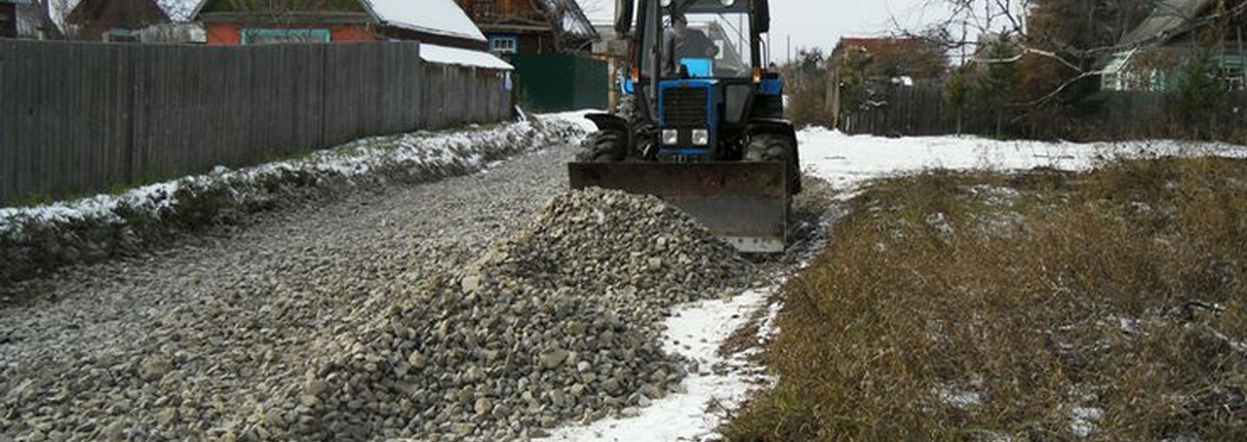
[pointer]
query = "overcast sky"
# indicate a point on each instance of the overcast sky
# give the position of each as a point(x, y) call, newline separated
point(821, 23)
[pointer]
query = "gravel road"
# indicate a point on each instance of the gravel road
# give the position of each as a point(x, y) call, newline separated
point(473, 308)
point(234, 308)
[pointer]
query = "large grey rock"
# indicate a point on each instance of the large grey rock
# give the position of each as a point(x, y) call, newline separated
point(154, 367)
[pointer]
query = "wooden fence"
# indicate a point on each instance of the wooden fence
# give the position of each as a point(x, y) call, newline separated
point(920, 110)
point(80, 117)
point(900, 111)
point(1153, 114)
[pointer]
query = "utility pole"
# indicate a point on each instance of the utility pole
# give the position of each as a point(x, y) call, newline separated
point(965, 33)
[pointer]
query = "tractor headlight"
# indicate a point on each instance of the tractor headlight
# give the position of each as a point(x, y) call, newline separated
point(701, 137)
point(670, 137)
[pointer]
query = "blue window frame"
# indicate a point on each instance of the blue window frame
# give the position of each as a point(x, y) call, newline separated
point(251, 36)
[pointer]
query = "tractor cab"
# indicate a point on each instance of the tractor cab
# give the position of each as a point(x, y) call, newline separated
point(704, 60)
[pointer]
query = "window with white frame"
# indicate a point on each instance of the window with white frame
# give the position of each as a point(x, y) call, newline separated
point(504, 44)
point(1233, 78)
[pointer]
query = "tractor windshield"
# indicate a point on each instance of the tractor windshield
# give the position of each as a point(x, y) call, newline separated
point(702, 45)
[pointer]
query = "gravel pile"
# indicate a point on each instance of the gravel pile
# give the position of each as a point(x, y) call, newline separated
point(372, 333)
point(560, 322)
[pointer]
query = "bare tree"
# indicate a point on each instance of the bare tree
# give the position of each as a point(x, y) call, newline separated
point(594, 8)
point(1095, 29)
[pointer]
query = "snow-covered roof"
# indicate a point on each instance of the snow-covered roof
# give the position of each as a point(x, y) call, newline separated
point(179, 11)
point(440, 17)
point(462, 57)
point(1168, 20)
point(572, 19)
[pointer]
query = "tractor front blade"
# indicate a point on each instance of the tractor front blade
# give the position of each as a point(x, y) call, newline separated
point(745, 204)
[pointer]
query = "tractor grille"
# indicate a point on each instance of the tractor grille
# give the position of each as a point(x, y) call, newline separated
point(684, 107)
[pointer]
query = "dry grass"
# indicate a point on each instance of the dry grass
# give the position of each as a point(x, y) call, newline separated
point(1044, 306)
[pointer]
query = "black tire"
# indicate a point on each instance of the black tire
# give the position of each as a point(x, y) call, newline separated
point(612, 146)
point(604, 147)
point(767, 147)
point(776, 148)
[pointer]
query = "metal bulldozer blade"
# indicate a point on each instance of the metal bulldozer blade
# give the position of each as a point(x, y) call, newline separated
point(745, 204)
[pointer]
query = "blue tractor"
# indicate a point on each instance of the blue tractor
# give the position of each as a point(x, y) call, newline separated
point(701, 122)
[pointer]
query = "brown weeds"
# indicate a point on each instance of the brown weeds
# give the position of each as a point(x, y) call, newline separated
point(1037, 306)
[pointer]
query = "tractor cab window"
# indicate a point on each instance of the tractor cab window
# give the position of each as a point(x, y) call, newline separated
point(705, 45)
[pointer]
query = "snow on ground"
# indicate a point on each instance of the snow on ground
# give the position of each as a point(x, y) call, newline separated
point(419, 149)
point(695, 331)
point(848, 161)
point(577, 118)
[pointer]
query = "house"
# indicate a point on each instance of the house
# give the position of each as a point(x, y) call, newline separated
point(133, 20)
point(8, 19)
point(26, 19)
point(1151, 56)
point(437, 22)
point(532, 26)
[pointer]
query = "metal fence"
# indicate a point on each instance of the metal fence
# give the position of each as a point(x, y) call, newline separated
point(80, 117)
point(557, 82)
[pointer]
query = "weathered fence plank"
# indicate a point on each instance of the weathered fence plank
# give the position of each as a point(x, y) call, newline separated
point(80, 117)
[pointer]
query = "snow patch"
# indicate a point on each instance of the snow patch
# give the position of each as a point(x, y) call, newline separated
point(577, 117)
point(961, 399)
point(848, 161)
point(696, 331)
point(1085, 420)
point(768, 328)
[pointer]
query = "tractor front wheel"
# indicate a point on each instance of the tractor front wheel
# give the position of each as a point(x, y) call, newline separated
point(767, 147)
point(777, 148)
point(605, 147)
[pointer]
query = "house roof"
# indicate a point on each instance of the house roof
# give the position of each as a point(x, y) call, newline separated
point(178, 11)
point(439, 17)
point(1169, 19)
point(436, 17)
point(877, 44)
point(462, 57)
